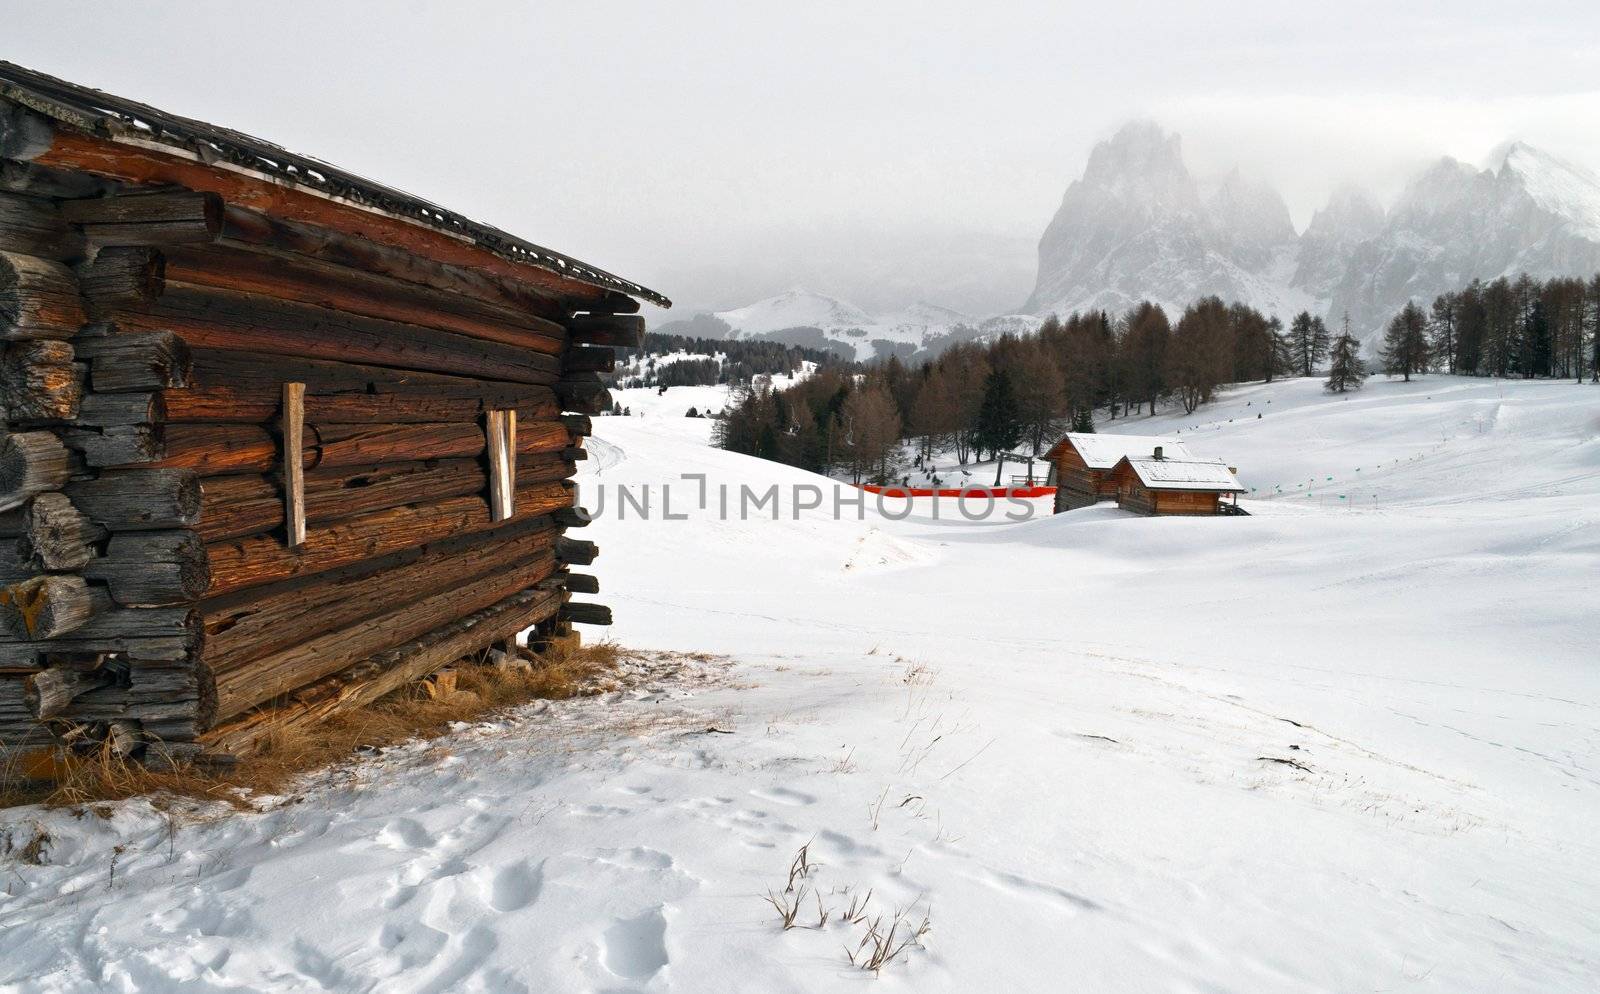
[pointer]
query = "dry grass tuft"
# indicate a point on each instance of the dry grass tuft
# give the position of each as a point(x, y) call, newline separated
point(471, 692)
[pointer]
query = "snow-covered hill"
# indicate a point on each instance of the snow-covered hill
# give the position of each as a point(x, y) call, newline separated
point(1137, 226)
point(1349, 743)
point(815, 320)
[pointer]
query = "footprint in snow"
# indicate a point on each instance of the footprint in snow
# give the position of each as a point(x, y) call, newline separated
point(636, 948)
point(783, 795)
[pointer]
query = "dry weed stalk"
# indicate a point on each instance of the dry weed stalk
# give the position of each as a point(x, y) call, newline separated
point(877, 948)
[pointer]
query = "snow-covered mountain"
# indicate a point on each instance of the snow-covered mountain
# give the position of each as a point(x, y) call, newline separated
point(817, 320)
point(1528, 212)
point(1138, 225)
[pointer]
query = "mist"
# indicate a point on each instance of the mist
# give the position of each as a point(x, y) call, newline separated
point(882, 153)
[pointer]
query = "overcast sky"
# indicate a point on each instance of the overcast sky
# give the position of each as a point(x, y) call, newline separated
point(883, 152)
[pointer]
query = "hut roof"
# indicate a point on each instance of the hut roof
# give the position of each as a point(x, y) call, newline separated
point(1184, 474)
point(133, 123)
point(1105, 451)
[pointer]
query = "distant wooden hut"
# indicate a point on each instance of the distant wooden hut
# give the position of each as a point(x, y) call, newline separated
point(278, 439)
point(1081, 464)
point(1157, 484)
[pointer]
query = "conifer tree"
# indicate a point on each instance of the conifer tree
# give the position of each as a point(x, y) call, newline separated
point(1346, 369)
point(1308, 342)
point(1405, 343)
point(999, 426)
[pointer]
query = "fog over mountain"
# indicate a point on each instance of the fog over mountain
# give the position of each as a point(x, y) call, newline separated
point(1138, 224)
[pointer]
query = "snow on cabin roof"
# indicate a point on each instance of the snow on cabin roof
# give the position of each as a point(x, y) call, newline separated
point(1185, 474)
point(131, 122)
point(1105, 451)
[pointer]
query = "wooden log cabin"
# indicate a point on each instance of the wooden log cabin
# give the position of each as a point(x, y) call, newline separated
point(1154, 483)
point(278, 439)
point(1081, 464)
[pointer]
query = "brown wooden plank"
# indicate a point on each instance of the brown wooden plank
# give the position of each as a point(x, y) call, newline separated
point(293, 467)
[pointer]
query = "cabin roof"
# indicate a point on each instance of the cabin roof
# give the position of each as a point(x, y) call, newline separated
point(1105, 451)
point(1184, 474)
point(133, 123)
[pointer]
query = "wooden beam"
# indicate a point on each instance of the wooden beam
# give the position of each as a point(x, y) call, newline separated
point(75, 150)
point(179, 218)
point(48, 607)
point(230, 319)
point(31, 463)
point(290, 277)
point(624, 331)
point(38, 298)
point(294, 470)
point(585, 614)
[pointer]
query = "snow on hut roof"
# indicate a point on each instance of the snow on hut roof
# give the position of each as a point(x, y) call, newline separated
point(1105, 451)
point(126, 120)
point(1185, 474)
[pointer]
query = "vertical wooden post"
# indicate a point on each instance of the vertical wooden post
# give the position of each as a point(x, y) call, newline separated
point(501, 431)
point(294, 473)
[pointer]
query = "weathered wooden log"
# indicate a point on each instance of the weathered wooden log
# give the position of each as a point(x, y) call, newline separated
point(249, 624)
point(209, 450)
point(583, 393)
point(50, 692)
point(586, 359)
point(153, 568)
point(104, 410)
point(225, 319)
point(256, 405)
point(578, 425)
point(384, 673)
point(247, 369)
point(31, 463)
point(308, 281)
point(24, 134)
point(139, 499)
point(278, 673)
point(575, 551)
point(48, 607)
point(585, 614)
point(130, 624)
point(215, 450)
point(252, 229)
point(56, 535)
point(33, 655)
point(132, 276)
point(39, 381)
point(38, 299)
point(610, 330)
point(179, 218)
point(582, 583)
point(45, 607)
point(122, 362)
point(32, 226)
point(573, 517)
point(256, 560)
point(240, 506)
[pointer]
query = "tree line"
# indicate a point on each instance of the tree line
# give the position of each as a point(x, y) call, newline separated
point(1015, 393)
point(981, 399)
point(1523, 327)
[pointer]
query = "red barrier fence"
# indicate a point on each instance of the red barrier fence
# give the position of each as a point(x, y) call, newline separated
point(996, 492)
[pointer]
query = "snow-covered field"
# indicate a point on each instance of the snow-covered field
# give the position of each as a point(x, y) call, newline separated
point(1335, 746)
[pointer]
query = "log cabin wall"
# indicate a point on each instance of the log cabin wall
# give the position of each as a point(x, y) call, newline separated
point(268, 452)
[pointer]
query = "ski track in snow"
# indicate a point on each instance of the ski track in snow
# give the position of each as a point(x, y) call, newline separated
point(1324, 748)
